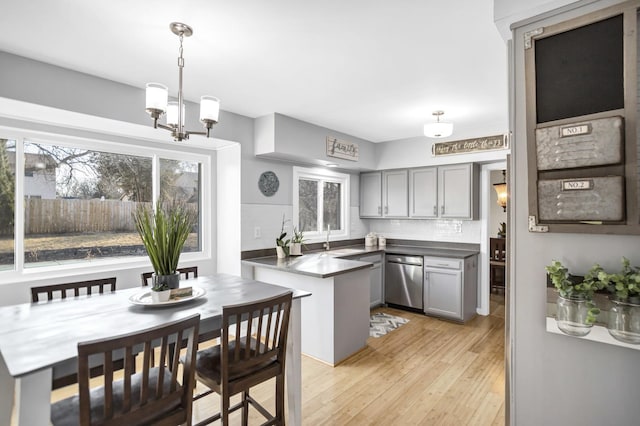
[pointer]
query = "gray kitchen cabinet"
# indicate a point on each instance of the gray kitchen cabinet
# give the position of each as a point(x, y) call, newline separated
point(375, 277)
point(371, 194)
point(423, 193)
point(451, 287)
point(395, 192)
point(446, 192)
point(458, 191)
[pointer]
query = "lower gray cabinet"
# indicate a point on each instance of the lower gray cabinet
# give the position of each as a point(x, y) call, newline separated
point(450, 287)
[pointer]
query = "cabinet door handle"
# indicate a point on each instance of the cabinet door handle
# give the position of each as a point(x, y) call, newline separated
point(442, 209)
point(386, 209)
point(435, 210)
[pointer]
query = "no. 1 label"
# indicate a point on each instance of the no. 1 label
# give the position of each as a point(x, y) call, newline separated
point(581, 129)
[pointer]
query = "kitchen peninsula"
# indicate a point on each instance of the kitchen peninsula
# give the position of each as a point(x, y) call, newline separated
point(335, 319)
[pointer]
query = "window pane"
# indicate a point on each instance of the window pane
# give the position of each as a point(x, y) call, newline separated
point(180, 183)
point(79, 203)
point(7, 202)
point(308, 205)
point(332, 205)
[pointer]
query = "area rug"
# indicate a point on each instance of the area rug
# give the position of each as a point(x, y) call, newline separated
point(381, 324)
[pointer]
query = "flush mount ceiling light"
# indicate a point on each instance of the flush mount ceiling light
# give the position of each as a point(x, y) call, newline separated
point(501, 191)
point(439, 129)
point(158, 95)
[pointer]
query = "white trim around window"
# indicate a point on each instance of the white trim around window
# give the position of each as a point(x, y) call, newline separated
point(322, 175)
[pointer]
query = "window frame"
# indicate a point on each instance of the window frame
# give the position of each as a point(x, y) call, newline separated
point(111, 144)
point(323, 175)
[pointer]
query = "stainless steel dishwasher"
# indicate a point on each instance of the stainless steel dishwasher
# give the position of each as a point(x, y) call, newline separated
point(403, 281)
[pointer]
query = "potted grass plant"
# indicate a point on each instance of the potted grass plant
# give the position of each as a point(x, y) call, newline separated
point(164, 231)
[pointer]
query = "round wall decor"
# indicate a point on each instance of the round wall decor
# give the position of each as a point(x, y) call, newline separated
point(268, 183)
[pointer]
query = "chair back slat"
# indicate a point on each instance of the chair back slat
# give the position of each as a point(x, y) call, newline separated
point(147, 396)
point(78, 288)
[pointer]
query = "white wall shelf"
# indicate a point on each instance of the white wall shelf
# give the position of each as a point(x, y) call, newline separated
point(598, 334)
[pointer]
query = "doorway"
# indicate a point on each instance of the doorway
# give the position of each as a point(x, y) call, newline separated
point(491, 215)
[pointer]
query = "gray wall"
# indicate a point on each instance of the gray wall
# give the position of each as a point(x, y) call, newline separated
point(560, 380)
point(265, 213)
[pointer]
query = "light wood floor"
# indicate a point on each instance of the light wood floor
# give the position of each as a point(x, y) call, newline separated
point(427, 372)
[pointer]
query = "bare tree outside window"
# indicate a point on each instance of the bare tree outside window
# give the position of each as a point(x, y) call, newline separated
point(332, 206)
point(79, 202)
point(308, 205)
point(180, 183)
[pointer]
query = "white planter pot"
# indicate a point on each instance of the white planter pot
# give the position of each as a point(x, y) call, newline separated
point(280, 252)
point(295, 249)
point(160, 296)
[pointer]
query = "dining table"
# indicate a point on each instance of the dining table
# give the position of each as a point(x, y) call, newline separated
point(39, 338)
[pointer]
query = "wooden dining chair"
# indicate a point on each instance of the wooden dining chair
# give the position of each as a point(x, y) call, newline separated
point(240, 361)
point(60, 291)
point(185, 274)
point(157, 394)
point(66, 376)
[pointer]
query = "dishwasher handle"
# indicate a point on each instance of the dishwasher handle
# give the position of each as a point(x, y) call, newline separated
point(405, 260)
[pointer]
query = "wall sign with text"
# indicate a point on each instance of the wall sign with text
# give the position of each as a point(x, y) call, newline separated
point(466, 146)
point(342, 149)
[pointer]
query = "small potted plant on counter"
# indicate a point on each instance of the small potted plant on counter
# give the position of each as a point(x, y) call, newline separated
point(282, 245)
point(624, 315)
point(296, 242)
point(576, 313)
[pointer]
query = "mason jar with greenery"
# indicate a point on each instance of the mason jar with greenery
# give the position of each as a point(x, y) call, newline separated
point(164, 232)
point(576, 313)
point(624, 316)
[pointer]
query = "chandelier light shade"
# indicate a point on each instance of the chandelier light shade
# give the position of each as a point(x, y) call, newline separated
point(501, 191)
point(439, 129)
point(157, 99)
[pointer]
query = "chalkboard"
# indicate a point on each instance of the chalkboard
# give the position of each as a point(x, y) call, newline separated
point(580, 72)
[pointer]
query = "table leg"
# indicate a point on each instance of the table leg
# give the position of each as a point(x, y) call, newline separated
point(33, 398)
point(294, 365)
point(7, 385)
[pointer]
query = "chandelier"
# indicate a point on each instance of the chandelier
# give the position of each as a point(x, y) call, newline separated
point(439, 129)
point(157, 96)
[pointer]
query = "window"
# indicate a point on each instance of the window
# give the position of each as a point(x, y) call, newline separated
point(76, 203)
point(7, 204)
point(320, 202)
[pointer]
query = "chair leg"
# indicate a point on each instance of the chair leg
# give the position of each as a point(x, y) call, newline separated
point(245, 408)
point(224, 410)
point(280, 399)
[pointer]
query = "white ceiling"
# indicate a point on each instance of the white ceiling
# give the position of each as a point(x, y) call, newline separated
point(374, 69)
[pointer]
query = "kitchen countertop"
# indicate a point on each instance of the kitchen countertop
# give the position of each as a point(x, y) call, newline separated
point(325, 264)
point(318, 264)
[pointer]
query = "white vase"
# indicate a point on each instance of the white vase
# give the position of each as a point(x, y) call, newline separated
point(280, 252)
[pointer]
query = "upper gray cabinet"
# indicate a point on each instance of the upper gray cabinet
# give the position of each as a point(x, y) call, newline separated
point(458, 191)
point(395, 189)
point(423, 192)
point(448, 192)
point(371, 194)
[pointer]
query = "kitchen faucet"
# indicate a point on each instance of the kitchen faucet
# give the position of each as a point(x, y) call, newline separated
point(326, 245)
